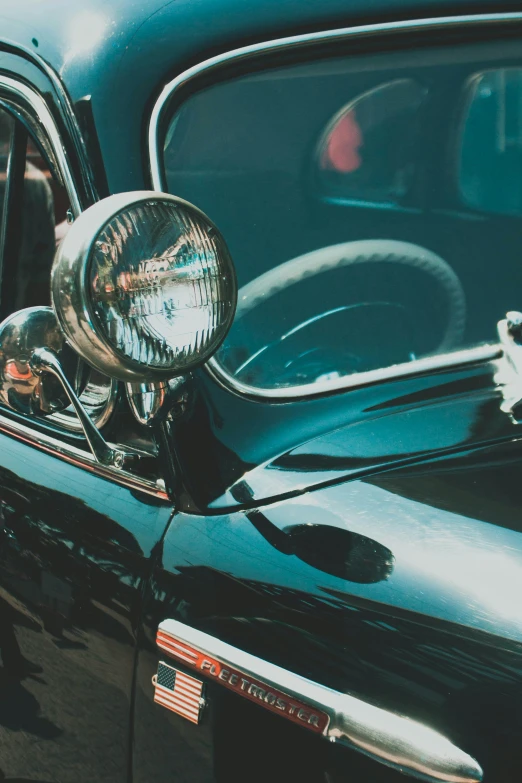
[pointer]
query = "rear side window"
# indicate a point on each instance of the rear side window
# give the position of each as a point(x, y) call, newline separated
point(357, 196)
point(490, 173)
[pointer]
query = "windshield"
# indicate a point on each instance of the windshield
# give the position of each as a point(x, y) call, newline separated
point(358, 197)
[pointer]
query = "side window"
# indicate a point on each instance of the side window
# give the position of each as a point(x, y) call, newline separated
point(347, 190)
point(6, 131)
point(6, 139)
point(490, 175)
point(35, 210)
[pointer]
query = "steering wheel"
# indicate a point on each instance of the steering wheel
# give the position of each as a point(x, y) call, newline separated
point(348, 254)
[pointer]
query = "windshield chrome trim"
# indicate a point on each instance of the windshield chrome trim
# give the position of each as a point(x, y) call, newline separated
point(446, 361)
point(279, 44)
point(416, 367)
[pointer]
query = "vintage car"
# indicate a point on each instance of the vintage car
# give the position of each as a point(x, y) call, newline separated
point(260, 391)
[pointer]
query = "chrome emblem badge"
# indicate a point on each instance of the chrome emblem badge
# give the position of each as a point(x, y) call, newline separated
point(245, 685)
point(178, 692)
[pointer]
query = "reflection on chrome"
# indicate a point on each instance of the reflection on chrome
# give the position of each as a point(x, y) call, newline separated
point(98, 398)
point(144, 286)
point(43, 362)
point(394, 740)
point(509, 374)
point(21, 389)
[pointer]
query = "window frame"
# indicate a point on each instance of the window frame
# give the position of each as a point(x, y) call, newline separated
point(29, 108)
point(32, 117)
point(214, 69)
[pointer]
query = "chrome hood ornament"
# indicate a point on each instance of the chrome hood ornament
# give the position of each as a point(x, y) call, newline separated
point(509, 375)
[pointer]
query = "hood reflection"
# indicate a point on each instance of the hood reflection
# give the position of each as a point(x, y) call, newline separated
point(330, 549)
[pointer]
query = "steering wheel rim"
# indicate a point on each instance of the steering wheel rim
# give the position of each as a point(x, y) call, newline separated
point(361, 252)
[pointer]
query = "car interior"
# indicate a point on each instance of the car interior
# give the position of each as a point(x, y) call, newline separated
point(419, 154)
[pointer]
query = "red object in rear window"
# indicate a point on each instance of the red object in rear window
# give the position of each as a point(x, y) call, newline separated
point(342, 148)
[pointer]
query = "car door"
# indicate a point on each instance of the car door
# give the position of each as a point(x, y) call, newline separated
point(349, 518)
point(76, 539)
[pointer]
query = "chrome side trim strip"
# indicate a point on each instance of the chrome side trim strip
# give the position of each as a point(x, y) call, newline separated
point(446, 361)
point(172, 88)
point(78, 457)
point(394, 740)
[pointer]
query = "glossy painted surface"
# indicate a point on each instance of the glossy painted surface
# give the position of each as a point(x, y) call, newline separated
point(435, 636)
point(400, 586)
point(253, 452)
point(75, 551)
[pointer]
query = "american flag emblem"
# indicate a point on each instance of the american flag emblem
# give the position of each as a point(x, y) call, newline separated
point(178, 692)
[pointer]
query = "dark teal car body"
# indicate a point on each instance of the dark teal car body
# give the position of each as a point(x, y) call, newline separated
point(366, 537)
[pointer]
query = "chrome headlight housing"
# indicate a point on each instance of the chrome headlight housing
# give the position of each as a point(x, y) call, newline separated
point(144, 287)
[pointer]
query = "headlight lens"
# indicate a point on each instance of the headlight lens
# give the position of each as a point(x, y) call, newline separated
point(159, 286)
point(152, 294)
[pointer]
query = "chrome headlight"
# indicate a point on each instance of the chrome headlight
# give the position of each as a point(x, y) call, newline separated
point(143, 286)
